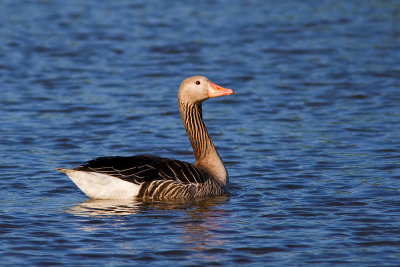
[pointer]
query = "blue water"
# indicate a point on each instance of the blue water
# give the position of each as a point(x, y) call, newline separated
point(311, 138)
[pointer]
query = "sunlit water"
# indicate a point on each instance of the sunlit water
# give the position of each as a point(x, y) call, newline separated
point(311, 138)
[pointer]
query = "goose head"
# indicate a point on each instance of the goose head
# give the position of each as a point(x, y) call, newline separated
point(196, 89)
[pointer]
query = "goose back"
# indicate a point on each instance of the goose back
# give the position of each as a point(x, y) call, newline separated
point(158, 178)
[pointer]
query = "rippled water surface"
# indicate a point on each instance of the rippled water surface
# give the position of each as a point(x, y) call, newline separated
point(311, 138)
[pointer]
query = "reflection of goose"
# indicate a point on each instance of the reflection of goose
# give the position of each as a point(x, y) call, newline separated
point(152, 177)
point(105, 207)
point(121, 207)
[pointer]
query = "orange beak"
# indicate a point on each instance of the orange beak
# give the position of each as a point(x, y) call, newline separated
point(216, 90)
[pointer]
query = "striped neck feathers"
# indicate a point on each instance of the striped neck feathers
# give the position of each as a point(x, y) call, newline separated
point(205, 154)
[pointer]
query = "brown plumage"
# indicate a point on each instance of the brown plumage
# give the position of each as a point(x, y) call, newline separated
point(151, 177)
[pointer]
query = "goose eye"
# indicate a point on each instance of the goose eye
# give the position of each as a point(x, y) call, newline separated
point(198, 82)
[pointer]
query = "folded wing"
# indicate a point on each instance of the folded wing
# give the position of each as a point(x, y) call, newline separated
point(146, 169)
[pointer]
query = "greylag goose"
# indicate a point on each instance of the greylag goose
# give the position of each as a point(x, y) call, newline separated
point(156, 178)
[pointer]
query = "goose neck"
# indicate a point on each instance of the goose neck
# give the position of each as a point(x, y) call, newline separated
point(205, 154)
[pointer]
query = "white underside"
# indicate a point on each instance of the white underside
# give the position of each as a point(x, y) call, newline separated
point(102, 186)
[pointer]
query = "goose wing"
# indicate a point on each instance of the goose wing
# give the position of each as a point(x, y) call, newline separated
point(141, 169)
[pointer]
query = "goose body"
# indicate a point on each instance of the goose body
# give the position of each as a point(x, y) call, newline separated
point(157, 178)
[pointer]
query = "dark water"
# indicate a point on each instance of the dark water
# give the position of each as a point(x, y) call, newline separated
point(311, 139)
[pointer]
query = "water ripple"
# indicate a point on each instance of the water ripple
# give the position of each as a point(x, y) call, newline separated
point(310, 138)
